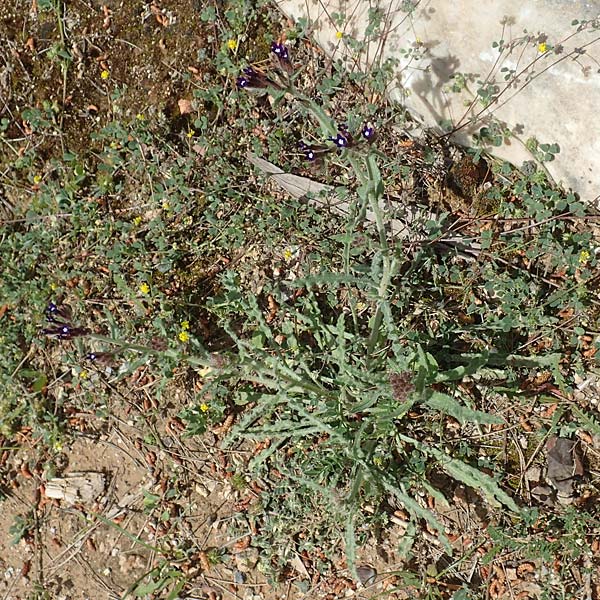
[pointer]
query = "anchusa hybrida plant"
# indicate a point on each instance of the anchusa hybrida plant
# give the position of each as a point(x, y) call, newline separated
point(281, 80)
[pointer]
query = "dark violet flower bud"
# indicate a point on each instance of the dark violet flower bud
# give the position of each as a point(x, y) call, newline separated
point(280, 51)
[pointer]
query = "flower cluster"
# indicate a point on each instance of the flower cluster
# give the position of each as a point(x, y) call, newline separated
point(344, 139)
point(280, 51)
point(253, 78)
point(60, 318)
point(184, 335)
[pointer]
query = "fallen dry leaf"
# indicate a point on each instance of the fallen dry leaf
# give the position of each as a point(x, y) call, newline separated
point(564, 464)
point(185, 106)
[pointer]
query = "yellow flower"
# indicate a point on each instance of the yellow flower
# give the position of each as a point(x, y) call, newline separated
point(137, 220)
point(542, 47)
point(339, 35)
point(232, 44)
point(191, 133)
point(184, 336)
point(204, 407)
point(37, 179)
point(105, 74)
point(83, 375)
point(144, 288)
point(166, 205)
point(185, 325)
point(584, 256)
point(287, 254)
point(140, 117)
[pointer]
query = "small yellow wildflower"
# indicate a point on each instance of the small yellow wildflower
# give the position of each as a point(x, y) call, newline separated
point(184, 336)
point(137, 220)
point(584, 256)
point(185, 325)
point(140, 117)
point(166, 205)
point(105, 74)
point(144, 288)
point(232, 44)
point(37, 179)
point(339, 35)
point(204, 407)
point(83, 375)
point(288, 254)
point(191, 133)
point(542, 47)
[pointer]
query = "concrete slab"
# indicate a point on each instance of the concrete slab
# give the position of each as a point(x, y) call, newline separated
point(523, 65)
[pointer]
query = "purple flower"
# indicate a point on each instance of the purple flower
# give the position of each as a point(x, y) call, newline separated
point(254, 79)
point(56, 314)
point(242, 82)
point(64, 331)
point(368, 132)
point(280, 51)
point(102, 358)
point(311, 153)
point(342, 140)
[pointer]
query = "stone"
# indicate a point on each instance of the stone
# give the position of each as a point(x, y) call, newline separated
point(527, 58)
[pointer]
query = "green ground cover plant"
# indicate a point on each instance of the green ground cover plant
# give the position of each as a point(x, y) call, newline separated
point(367, 351)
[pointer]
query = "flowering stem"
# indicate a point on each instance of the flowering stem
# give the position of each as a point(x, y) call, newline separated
point(374, 194)
point(124, 345)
